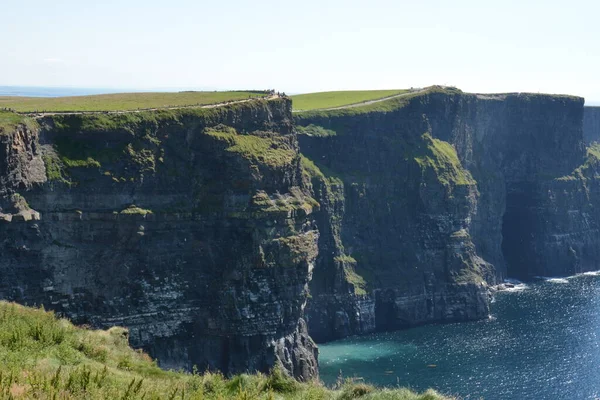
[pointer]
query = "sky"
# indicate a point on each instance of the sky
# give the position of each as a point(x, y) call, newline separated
point(303, 46)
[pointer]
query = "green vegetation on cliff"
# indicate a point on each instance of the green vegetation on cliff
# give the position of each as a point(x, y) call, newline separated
point(349, 266)
point(314, 130)
point(332, 188)
point(123, 101)
point(590, 169)
point(442, 158)
point(315, 101)
point(273, 151)
point(135, 142)
point(44, 357)
point(309, 168)
point(9, 121)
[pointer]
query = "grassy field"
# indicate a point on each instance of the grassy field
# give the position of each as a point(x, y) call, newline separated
point(122, 101)
point(311, 116)
point(317, 101)
point(43, 357)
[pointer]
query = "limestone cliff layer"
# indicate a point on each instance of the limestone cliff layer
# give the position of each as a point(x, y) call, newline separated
point(429, 198)
point(591, 124)
point(190, 227)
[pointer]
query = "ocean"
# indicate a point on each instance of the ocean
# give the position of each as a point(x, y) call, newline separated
point(542, 341)
point(30, 91)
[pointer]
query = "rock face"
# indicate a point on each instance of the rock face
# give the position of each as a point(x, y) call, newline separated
point(591, 124)
point(193, 228)
point(429, 198)
point(200, 229)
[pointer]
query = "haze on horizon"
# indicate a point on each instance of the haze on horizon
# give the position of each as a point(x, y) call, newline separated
point(541, 46)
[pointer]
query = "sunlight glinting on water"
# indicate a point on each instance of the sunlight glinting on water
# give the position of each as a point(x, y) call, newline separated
point(542, 342)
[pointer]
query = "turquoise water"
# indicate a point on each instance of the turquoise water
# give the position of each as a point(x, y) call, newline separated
point(542, 342)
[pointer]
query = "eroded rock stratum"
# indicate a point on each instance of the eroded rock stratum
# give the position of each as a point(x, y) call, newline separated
point(190, 227)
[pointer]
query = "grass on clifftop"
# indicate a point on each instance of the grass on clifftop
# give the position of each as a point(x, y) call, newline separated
point(386, 105)
point(122, 101)
point(43, 357)
point(316, 101)
point(10, 120)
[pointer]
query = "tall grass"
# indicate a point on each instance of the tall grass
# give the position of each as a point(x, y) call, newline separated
point(44, 357)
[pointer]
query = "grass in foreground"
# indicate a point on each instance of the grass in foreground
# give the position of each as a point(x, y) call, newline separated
point(43, 357)
point(317, 101)
point(122, 101)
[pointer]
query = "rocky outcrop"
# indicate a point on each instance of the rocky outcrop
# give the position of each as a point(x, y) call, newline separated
point(192, 228)
point(439, 194)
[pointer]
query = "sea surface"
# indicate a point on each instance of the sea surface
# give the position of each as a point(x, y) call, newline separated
point(542, 342)
point(31, 91)
point(40, 91)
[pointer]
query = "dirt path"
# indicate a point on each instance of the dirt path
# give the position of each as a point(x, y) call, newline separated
point(45, 114)
point(365, 103)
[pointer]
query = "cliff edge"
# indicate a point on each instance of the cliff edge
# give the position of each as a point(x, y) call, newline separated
point(430, 198)
point(190, 227)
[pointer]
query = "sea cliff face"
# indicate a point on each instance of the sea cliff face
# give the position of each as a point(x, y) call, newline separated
point(435, 197)
point(591, 124)
point(200, 229)
point(190, 227)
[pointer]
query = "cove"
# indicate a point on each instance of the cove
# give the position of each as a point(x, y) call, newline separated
point(540, 342)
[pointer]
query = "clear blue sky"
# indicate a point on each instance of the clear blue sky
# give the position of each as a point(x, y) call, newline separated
point(301, 46)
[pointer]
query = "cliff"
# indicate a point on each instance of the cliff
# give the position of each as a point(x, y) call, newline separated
point(591, 124)
point(200, 229)
point(191, 227)
point(429, 198)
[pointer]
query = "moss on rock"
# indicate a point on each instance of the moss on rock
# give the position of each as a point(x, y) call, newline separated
point(441, 157)
point(273, 151)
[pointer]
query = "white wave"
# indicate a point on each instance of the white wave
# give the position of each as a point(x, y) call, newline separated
point(554, 280)
point(512, 285)
point(590, 273)
point(516, 288)
point(564, 279)
point(558, 280)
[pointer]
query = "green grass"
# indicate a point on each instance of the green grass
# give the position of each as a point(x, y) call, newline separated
point(358, 281)
point(9, 121)
point(346, 259)
point(315, 131)
point(314, 116)
point(317, 101)
point(122, 101)
point(442, 158)
point(272, 151)
point(589, 168)
point(44, 357)
point(310, 168)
